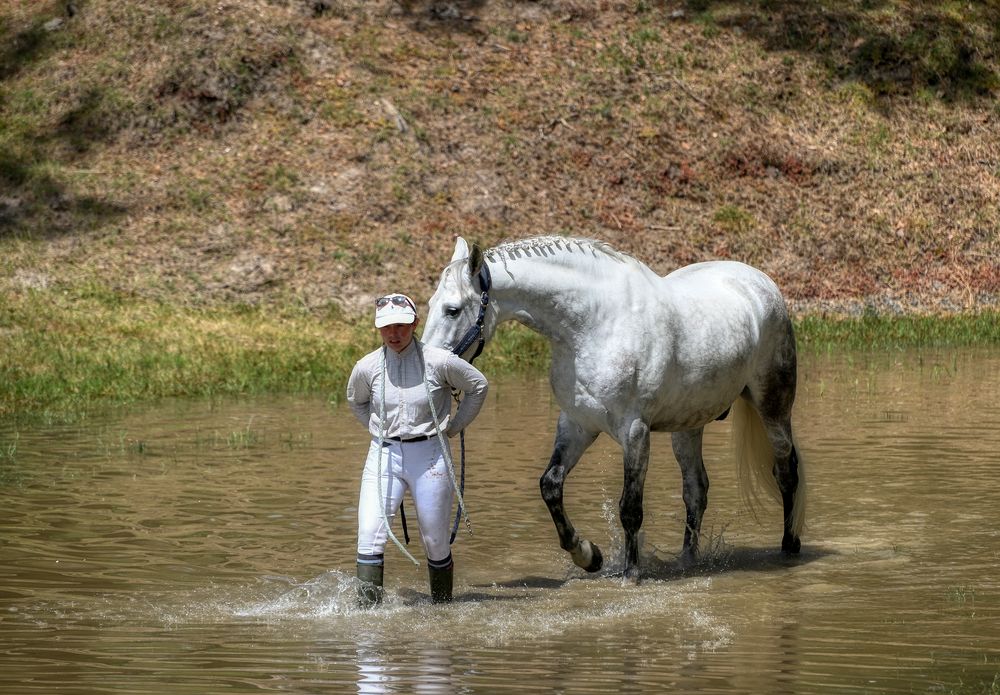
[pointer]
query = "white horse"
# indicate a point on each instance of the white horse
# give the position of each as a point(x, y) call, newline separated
point(633, 353)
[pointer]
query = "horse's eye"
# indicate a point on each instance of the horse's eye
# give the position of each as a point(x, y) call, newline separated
point(452, 311)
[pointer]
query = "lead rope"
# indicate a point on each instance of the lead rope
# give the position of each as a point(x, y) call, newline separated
point(474, 333)
point(458, 512)
point(446, 450)
point(378, 479)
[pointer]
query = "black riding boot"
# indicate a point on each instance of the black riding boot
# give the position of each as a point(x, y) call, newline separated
point(442, 575)
point(370, 585)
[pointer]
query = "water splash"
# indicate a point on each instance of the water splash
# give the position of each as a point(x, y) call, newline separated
point(332, 593)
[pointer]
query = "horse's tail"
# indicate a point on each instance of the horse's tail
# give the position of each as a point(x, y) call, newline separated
point(755, 464)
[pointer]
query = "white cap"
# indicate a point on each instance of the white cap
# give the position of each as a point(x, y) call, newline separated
point(395, 308)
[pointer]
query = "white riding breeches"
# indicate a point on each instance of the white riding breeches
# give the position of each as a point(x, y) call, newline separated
point(419, 467)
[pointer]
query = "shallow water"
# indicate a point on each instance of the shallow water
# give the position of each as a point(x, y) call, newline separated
point(209, 548)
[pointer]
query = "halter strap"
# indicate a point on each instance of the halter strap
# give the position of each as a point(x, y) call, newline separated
point(475, 331)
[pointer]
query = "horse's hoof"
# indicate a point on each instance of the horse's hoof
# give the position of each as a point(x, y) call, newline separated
point(790, 545)
point(598, 559)
point(631, 577)
point(587, 556)
point(688, 559)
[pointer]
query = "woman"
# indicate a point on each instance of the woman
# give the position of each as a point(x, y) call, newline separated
point(390, 392)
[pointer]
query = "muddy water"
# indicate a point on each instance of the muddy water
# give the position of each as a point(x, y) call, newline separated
point(208, 548)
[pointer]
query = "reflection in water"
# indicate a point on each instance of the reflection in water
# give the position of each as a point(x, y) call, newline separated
point(429, 671)
point(373, 671)
point(208, 548)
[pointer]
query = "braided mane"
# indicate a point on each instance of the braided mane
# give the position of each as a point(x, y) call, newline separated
point(551, 245)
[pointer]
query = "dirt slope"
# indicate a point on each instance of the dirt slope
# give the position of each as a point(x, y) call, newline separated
point(323, 152)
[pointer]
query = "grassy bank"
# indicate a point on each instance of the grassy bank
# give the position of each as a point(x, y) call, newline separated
point(881, 332)
point(63, 354)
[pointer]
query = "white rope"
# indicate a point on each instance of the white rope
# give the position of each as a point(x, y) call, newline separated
point(445, 449)
point(378, 479)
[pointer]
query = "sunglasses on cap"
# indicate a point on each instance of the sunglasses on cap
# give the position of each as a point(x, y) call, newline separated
point(397, 299)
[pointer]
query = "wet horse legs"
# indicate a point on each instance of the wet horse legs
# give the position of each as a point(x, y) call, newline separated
point(636, 449)
point(787, 474)
point(775, 408)
point(571, 442)
point(687, 451)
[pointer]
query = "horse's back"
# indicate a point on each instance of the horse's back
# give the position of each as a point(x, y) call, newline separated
point(726, 291)
point(728, 327)
point(720, 274)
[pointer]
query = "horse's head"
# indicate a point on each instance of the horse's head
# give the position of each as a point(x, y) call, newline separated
point(460, 317)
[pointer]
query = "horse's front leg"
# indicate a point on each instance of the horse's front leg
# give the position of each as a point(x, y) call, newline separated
point(571, 441)
point(636, 448)
point(687, 451)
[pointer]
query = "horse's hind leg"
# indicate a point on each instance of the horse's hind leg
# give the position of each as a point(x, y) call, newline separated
point(636, 448)
point(775, 407)
point(791, 484)
point(687, 451)
point(571, 442)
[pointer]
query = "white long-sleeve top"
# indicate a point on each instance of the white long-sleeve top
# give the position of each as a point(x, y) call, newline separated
point(407, 411)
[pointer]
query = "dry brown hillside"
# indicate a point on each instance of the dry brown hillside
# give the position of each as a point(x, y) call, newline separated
point(323, 151)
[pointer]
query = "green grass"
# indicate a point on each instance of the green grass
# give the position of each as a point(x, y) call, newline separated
point(976, 686)
point(878, 332)
point(10, 473)
point(67, 352)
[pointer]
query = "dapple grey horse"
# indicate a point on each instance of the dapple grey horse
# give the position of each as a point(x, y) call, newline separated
point(633, 353)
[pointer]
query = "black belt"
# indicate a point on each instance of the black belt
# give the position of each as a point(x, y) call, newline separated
point(398, 440)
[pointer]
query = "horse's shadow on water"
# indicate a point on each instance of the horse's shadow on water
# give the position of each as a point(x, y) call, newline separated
point(660, 569)
point(731, 560)
point(654, 569)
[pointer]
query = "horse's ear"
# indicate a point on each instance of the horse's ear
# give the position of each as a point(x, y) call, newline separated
point(461, 250)
point(475, 260)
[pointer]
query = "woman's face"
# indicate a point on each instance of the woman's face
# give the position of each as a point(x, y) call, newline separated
point(398, 335)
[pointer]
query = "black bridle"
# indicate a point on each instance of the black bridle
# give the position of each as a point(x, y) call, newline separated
point(475, 331)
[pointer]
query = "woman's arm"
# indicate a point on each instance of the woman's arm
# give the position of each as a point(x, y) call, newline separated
point(463, 377)
point(359, 392)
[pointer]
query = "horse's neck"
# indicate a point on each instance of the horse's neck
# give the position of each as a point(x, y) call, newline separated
point(549, 298)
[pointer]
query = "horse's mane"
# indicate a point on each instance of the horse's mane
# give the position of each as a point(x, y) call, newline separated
point(552, 245)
